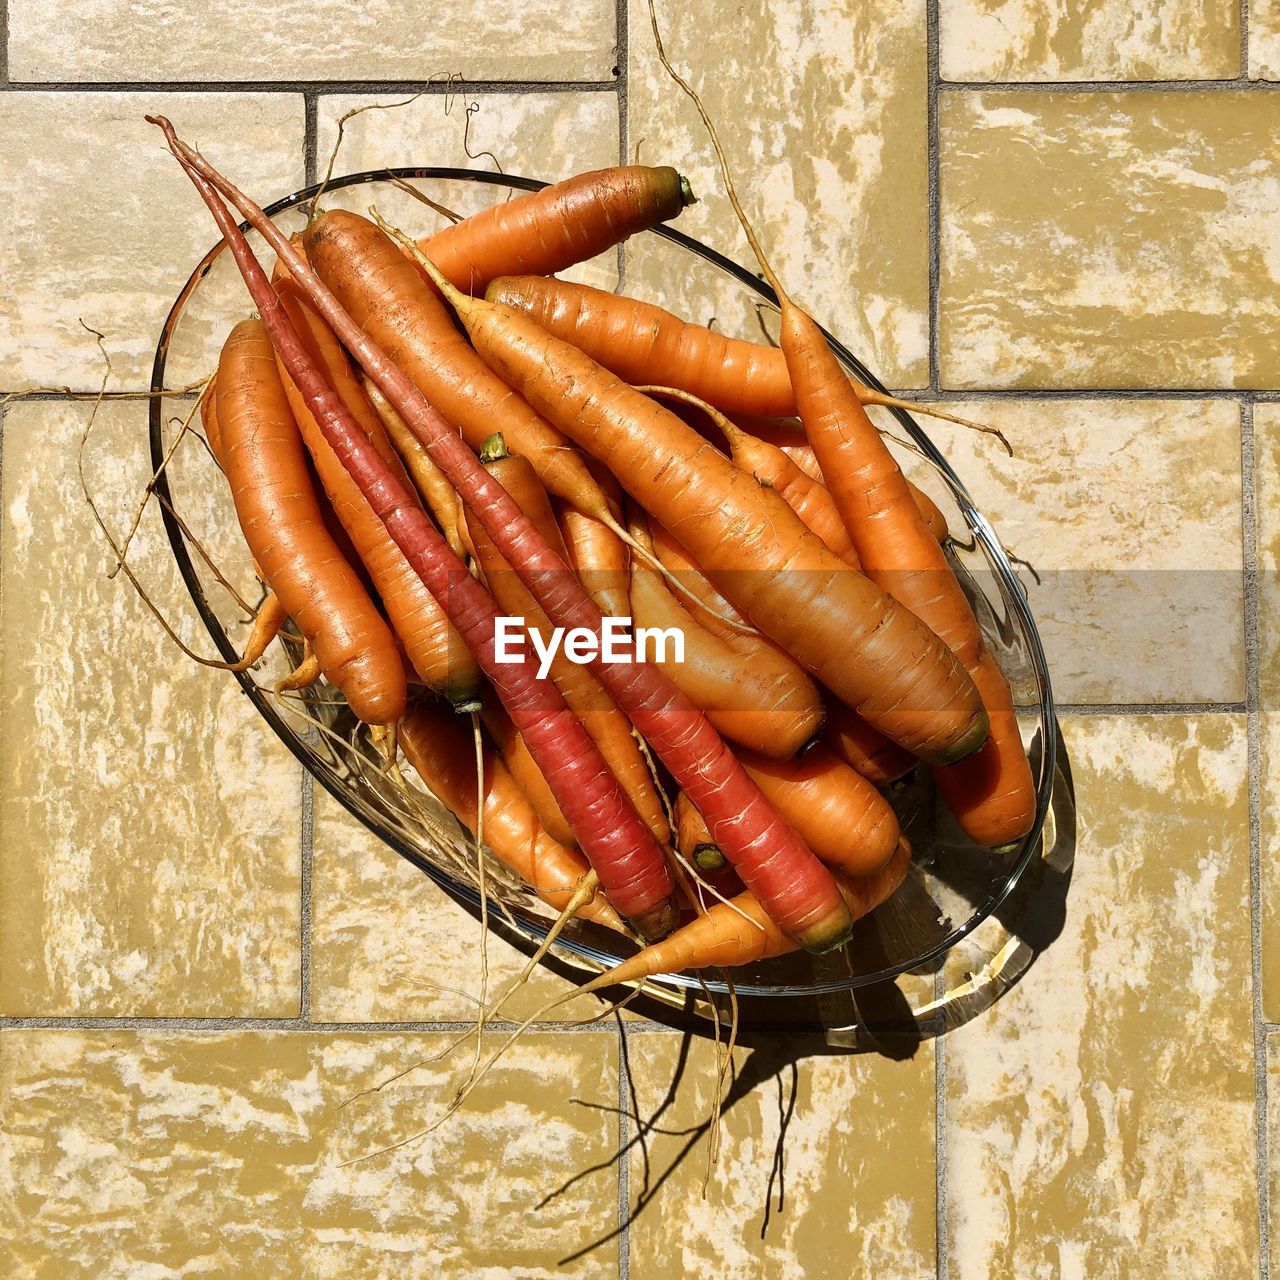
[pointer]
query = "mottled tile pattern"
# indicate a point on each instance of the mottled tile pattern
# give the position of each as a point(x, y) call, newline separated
point(149, 821)
point(1266, 426)
point(1264, 40)
point(1109, 240)
point(103, 226)
point(388, 945)
point(1130, 512)
point(1100, 1119)
point(822, 112)
point(130, 1155)
point(825, 1167)
point(1101, 40)
point(285, 40)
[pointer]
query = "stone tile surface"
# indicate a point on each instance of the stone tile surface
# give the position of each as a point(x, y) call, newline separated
point(1100, 1118)
point(825, 1166)
point(149, 821)
point(1264, 40)
point(1102, 40)
point(388, 945)
point(1109, 240)
point(1266, 425)
point(1130, 512)
point(105, 228)
point(822, 112)
point(140, 1154)
point(283, 40)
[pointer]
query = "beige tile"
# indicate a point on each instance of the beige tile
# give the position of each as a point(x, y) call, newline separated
point(135, 1154)
point(1266, 425)
point(822, 110)
point(115, 40)
point(149, 821)
point(388, 945)
point(104, 226)
point(1109, 240)
point(1102, 40)
point(1264, 40)
point(1100, 1118)
point(1273, 1142)
point(831, 1157)
point(1130, 512)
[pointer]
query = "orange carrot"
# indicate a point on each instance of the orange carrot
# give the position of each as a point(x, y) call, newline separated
point(440, 748)
point(862, 748)
point(435, 650)
point(643, 343)
point(892, 540)
point(609, 728)
point(528, 777)
point(384, 294)
point(596, 552)
point(209, 420)
point(548, 230)
point(262, 453)
point(751, 693)
point(845, 820)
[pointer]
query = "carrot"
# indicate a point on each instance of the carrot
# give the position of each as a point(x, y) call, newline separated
point(275, 502)
point(434, 490)
point(439, 747)
point(385, 294)
point(862, 748)
point(892, 540)
point(209, 420)
point(644, 343)
point(722, 938)
point(596, 553)
point(528, 777)
point(751, 693)
point(773, 861)
point(786, 439)
point(619, 846)
point(871, 652)
point(434, 649)
point(845, 820)
point(693, 837)
point(807, 497)
point(548, 230)
point(581, 690)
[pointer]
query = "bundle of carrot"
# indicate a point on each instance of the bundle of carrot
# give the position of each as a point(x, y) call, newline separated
point(464, 480)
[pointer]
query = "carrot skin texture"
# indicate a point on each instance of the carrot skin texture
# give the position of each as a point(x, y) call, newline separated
point(262, 454)
point(773, 860)
point(528, 777)
point(874, 654)
point(863, 748)
point(596, 553)
point(439, 746)
point(385, 294)
point(620, 847)
point(434, 649)
point(846, 821)
point(545, 231)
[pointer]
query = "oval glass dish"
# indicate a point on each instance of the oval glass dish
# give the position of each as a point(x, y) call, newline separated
point(953, 885)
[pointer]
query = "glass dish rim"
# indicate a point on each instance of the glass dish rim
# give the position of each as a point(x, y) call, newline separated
point(532, 930)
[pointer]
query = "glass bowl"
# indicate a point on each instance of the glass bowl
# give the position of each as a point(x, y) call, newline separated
point(953, 885)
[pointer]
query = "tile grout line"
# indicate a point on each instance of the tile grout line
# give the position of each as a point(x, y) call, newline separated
point(317, 87)
point(306, 913)
point(1235, 84)
point(1244, 39)
point(1249, 520)
point(310, 142)
point(935, 199)
point(4, 44)
point(207, 1026)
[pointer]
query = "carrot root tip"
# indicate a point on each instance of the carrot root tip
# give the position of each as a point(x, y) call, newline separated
point(686, 193)
point(828, 935)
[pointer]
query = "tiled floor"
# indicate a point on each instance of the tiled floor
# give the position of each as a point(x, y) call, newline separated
point(1062, 218)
